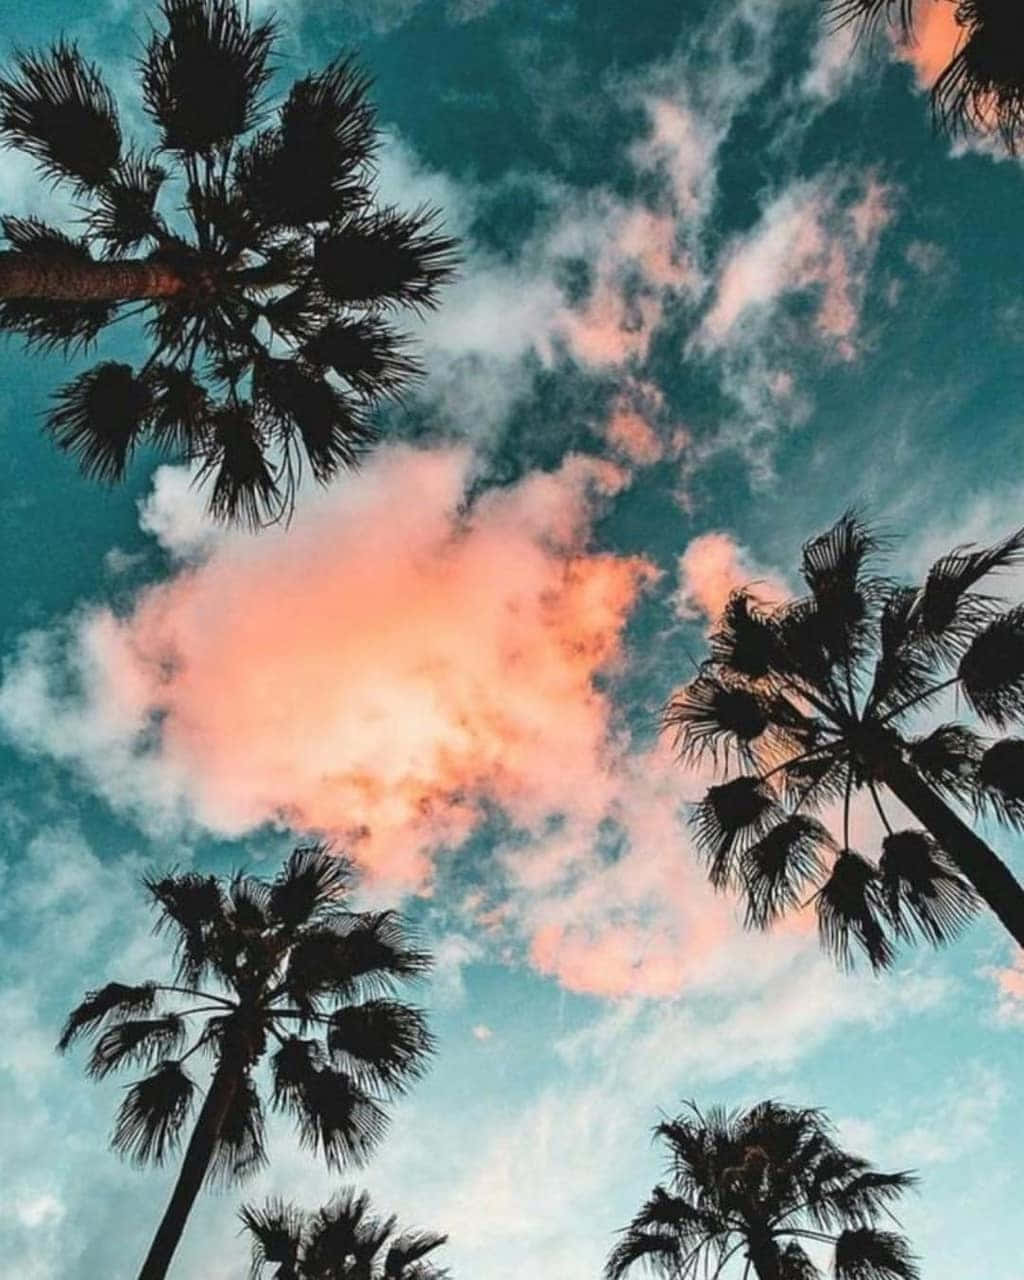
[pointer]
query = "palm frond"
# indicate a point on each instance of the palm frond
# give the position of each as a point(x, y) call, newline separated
point(864, 1253)
point(919, 881)
point(833, 565)
point(312, 884)
point(861, 1200)
point(115, 999)
point(345, 1237)
point(179, 418)
point(299, 402)
point(658, 1250)
point(851, 908)
point(794, 1264)
point(277, 1232)
point(991, 671)
point(1000, 780)
point(134, 1041)
point(949, 757)
point(868, 15)
point(124, 214)
point(776, 869)
point(99, 417)
point(202, 78)
point(334, 1115)
point(950, 578)
point(59, 111)
point(369, 354)
point(240, 1150)
point(982, 87)
point(152, 1115)
point(313, 167)
point(386, 259)
point(905, 666)
point(408, 1249)
point(710, 717)
point(192, 906)
point(744, 643)
point(382, 1044)
point(731, 817)
point(245, 487)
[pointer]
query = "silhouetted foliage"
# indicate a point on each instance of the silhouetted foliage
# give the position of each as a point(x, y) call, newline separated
point(264, 293)
point(343, 1238)
point(813, 698)
point(981, 89)
point(754, 1188)
point(281, 971)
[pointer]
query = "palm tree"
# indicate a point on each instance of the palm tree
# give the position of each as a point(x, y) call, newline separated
point(812, 698)
point(341, 1241)
point(982, 87)
point(260, 966)
point(266, 290)
point(755, 1187)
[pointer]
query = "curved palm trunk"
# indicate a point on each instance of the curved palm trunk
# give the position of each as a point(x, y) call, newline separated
point(24, 275)
point(990, 876)
point(193, 1170)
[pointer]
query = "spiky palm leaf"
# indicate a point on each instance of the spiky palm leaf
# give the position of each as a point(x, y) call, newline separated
point(864, 1253)
point(730, 818)
point(277, 1235)
point(58, 110)
point(923, 889)
point(1000, 780)
point(982, 87)
point(776, 869)
point(153, 1114)
point(851, 908)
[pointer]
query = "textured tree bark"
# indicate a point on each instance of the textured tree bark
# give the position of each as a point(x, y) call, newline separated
point(765, 1259)
point(193, 1170)
point(24, 276)
point(990, 876)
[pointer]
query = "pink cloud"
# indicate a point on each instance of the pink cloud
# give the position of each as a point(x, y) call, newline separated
point(378, 671)
point(711, 568)
point(631, 434)
point(936, 38)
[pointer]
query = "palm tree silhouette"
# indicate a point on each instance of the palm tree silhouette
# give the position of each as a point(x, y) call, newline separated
point(341, 1240)
point(260, 965)
point(981, 89)
point(813, 698)
point(265, 292)
point(758, 1186)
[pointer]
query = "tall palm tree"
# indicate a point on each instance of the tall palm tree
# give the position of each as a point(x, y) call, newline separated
point(341, 1241)
point(754, 1188)
point(814, 700)
point(282, 972)
point(981, 89)
point(266, 290)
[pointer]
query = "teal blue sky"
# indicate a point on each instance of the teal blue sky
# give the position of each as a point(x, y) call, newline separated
point(721, 282)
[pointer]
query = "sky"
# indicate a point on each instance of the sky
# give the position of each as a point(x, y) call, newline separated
point(720, 282)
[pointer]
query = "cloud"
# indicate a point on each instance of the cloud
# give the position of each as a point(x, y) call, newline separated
point(711, 568)
point(378, 671)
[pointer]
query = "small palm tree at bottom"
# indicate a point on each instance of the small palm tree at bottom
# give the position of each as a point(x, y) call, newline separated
point(282, 971)
point(755, 1189)
point(341, 1240)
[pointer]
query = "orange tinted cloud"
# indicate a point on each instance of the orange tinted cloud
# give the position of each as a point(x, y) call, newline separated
point(935, 41)
point(386, 665)
point(711, 568)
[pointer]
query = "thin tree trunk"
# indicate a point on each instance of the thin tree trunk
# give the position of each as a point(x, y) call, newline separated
point(53, 279)
point(197, 1159)
point(766, 1260)
point(990, 876)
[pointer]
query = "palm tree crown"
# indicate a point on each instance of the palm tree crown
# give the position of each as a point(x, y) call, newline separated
point(342, 1240)
point(266, 299)
point(981, 89)
point(282, 970)
point(755, 1188)
point(812, 700)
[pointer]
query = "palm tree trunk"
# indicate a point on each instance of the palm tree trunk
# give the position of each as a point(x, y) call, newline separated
point(766, 1260)
point(990, 876)
point(193, 1170)
point(25, 275)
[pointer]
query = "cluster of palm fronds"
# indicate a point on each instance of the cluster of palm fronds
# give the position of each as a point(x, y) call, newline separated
point(764, 1184)
point(343, 1238)
point(981, 89)
point(814, 700)
point(266, 292)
